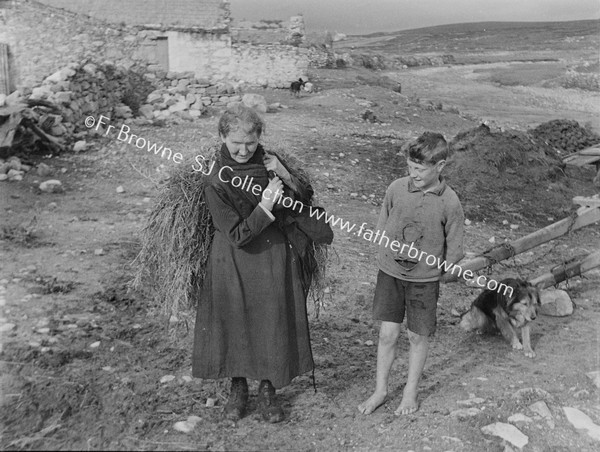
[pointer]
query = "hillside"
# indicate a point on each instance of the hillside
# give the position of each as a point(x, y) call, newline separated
point(552, 37)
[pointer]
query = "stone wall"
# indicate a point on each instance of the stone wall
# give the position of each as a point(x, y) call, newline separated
point(217, 59)
point(201, 14)
point(291, 32)
point(208, 56)
point(274, 66)
point(42, 41)
point(378, 61)
point(270, 35)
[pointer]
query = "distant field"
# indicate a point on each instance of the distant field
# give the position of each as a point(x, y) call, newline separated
point(520, 39)
point(546, 75)
point(589, 68)
point(524, 74)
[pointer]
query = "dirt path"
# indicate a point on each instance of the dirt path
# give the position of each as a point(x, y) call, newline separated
point(82, 367)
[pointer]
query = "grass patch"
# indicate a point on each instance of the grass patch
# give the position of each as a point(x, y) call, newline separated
point(51, 284)
point(525, 74)
point(24, 234)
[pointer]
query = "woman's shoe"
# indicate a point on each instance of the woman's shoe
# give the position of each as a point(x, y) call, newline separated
point(235, 408)
point(268, 405)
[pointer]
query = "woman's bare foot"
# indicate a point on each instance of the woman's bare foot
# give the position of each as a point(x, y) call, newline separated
point(372, 403)
point(408, 405)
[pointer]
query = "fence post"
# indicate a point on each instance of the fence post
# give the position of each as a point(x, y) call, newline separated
point(5, 83)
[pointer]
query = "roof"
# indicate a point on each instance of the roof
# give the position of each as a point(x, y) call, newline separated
point(196, 14)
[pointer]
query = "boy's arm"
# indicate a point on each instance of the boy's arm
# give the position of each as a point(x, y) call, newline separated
point(455, 231)
point(386, 205)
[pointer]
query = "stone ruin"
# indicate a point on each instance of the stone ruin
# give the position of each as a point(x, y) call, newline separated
point(114, 69)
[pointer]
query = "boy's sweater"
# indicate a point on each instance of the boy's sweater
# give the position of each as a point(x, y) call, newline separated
point(433, 222)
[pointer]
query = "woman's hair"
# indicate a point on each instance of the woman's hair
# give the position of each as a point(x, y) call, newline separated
point(429, 148)
point(239, 115)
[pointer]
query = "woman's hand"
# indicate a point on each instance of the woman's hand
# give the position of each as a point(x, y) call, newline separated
point(272, 163)
point(272, 193)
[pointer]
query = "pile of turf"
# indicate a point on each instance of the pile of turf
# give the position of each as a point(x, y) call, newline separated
point(565, 135)
point(510, 175)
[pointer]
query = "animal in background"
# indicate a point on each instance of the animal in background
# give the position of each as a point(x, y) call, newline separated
point(508, 312)
point(309, 87)
point(296, 86)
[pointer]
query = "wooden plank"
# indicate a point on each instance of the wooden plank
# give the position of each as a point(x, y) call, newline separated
point(587, 216)
point(585, 156)
point(587, 202)
point(581, 160)
point(54, 141)
point(11, 109)
point(4, 70)
point(8, 130)
point(592, 150)
point(570, 270)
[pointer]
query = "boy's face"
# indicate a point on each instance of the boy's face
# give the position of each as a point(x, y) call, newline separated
point(425, 175)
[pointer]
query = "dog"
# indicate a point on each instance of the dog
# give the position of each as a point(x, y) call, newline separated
point(508, 312)
point(309, 87)
point(295, 87)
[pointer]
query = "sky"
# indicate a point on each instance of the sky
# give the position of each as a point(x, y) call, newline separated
point(368, 16)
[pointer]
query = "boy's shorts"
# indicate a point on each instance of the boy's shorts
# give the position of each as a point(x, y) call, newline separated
point(394, 296)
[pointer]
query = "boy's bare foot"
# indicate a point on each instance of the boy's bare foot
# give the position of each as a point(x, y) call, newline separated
point(408, 405)
point(372, 403)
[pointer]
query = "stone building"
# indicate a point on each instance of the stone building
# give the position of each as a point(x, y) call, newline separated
point(197, 36)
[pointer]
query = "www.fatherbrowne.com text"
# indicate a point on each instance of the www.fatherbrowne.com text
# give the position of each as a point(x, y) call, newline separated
point(377, 237)
point(203, 165)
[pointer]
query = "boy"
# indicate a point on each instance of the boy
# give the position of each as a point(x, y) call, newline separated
point(425, 217)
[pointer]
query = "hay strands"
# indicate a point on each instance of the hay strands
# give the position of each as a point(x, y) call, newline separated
point(176, 243)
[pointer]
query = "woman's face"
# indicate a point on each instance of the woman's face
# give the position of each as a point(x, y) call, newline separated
point(241, 144)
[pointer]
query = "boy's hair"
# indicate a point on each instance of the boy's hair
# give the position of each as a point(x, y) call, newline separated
point(429, 148)
point(239, 115)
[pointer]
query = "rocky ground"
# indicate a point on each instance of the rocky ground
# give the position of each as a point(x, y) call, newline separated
point(88, 365)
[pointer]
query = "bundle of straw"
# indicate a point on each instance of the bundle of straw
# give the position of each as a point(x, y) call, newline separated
point(177, 238)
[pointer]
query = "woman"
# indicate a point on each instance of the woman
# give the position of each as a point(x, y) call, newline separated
point(252, 320)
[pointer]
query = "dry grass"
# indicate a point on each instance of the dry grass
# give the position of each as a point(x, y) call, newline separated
point(176, 242)
point(24, 234)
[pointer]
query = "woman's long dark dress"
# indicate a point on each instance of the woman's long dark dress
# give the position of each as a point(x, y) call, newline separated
point(251, 320)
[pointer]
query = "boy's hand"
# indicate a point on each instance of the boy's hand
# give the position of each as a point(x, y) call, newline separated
point(272, 163)
point(272, 193)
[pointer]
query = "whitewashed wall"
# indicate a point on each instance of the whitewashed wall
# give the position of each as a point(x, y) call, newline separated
point(214, 58)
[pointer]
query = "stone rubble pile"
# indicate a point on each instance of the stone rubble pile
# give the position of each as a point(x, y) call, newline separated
point(90, 89)
point(12, 169)
point(65, 107)
point(182, 95)
point(378, 61)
